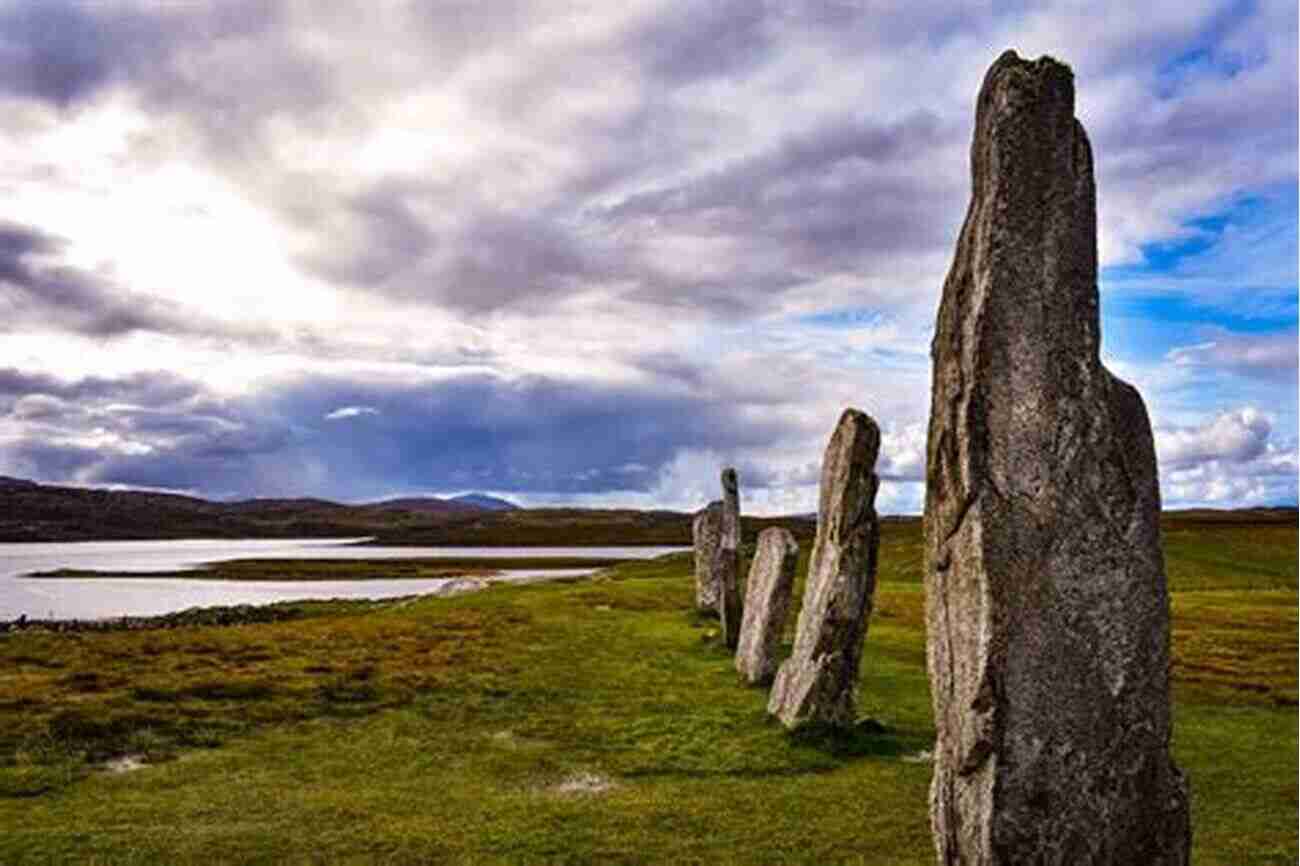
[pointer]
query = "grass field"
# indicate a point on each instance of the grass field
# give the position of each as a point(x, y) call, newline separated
point(593, 721)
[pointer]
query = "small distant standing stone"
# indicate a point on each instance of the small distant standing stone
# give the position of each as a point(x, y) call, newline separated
point(706, 533)
point(767, 602)
point(726, 565)
point(818, 683)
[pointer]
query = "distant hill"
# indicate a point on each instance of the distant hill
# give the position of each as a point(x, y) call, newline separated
point(42, 512)
point(1269, 514)
point(488, 503)
point(425, 505)
point(576, 527)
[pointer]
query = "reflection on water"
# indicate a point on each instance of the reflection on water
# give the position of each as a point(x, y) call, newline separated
point(71, 598)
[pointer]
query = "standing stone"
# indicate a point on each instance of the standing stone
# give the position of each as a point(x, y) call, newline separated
point(1047, 612)
point(767, 602)
point(818, 683)
point(706, 533)
point(726, 565)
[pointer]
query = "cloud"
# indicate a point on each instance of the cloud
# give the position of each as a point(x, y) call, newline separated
point(59, 53)
point(605, 153)
point(1231, 459)
point(1267, 479)
point(532, 434)
point(471, 218)
point(40, 407)
point(902, 453)
point(150, 388)
point(1271, 357)
point(38, 293)
point(1236, 437)
point(350, 412)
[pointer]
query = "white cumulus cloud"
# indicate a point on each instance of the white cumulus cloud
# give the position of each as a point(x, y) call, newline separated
point(1235, 436)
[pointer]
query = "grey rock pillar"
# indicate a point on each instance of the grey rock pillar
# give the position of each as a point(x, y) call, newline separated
point(726, 564)
point(1047, 612)
point(818, 683)
point(706, 533)
point(767, 603)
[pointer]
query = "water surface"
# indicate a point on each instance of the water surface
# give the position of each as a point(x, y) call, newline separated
point(95, 598)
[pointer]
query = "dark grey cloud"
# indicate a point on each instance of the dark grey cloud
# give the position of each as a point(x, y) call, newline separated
point(57, 52)
point(831, 200)
point(63, 51)
point(486, 260)
point(689, 43)
point(453, 31)
point(834, 199)
point(534, 434)
point(228, 70)
point(501, 258)
point(383, 239)
point(146, 388)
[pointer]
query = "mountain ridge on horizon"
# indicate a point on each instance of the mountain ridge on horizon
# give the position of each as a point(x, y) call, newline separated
point(31, 511)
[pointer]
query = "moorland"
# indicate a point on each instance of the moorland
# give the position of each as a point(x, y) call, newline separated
point(589, 720)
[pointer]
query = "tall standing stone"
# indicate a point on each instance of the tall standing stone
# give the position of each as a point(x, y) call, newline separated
point(818, 683)
point(726, 565)
point(1046, 606)
point(767, 602)
point(706, 533)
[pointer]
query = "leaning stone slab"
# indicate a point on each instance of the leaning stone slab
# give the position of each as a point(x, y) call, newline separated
point(1047, 613)
point(767, 602)
point(818, 683)
point(726, 564)
point(706, 533)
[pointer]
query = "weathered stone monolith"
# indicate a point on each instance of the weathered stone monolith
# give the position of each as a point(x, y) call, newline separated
point(726, 564)
point(706, 533)
point(767, 602)
point(1046, 606)
point(818, 683)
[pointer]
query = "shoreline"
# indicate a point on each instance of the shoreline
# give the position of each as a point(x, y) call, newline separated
point(271, 612)
point(309, 570)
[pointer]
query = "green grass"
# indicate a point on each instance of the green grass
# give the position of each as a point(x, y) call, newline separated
point(445, 730)
point(348, 569)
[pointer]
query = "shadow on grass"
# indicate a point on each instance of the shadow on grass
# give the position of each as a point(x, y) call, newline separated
point(867, 738)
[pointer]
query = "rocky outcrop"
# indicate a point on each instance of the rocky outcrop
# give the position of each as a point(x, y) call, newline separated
point(706, 533)
point(726, 565)
point(818, 683)
point(1047, 610)
point(767, 602)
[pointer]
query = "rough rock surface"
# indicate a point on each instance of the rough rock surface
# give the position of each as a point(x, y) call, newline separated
point(706, 532)
point(767, 602)
point(1046, 605)
point(726, 564)
point(818, 683)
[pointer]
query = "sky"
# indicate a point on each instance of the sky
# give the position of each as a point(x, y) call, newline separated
point(589, 253)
